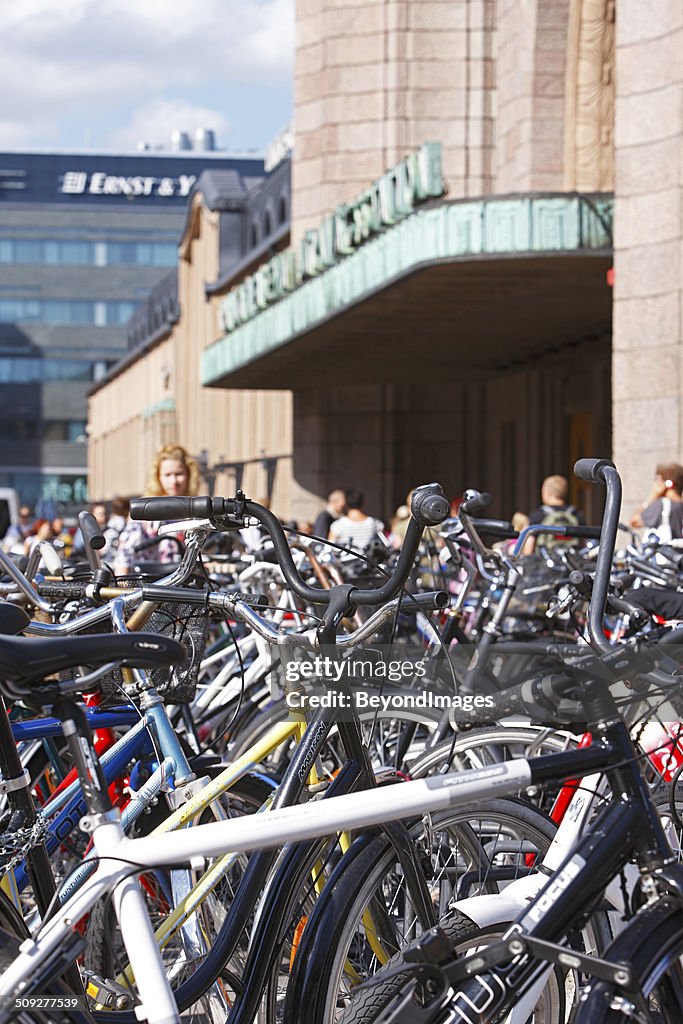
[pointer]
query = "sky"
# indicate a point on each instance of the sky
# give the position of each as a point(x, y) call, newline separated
point(103, 75)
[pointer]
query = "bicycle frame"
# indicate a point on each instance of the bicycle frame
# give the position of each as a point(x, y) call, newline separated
point(262, 831)
point(69, 804)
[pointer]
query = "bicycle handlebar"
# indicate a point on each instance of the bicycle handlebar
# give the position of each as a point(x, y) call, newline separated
point(495, 528)
point(593, 471)
point(475, 501)
point(93, 538)
point(237, 606)
point(180, 507)
point(563, 530)
point(92, 535)
point(546, 697)
point(429, 506)
point(602, 471)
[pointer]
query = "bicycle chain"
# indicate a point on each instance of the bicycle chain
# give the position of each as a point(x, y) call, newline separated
point(16, 844)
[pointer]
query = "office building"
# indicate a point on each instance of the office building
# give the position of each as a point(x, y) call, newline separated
point(84, 239)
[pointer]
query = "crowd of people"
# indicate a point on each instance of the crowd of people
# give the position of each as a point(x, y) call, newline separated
point(343, 521)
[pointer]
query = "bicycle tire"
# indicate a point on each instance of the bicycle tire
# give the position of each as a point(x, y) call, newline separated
point(478, 748)
point(335, 925)
point(519, 740)
point(465, 936)
point(652, 943)
point(378, 730)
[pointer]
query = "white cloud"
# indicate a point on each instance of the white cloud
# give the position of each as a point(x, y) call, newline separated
point(154, 122)
point(19, 135)
point(90, 63)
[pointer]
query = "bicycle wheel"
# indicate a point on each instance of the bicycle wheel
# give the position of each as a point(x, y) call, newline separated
point(652, 943)
point(382, 732)
point(188, 943)
point(365, 915)
point(466, 938)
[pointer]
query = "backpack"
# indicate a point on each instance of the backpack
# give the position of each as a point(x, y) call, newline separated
point(554, 516)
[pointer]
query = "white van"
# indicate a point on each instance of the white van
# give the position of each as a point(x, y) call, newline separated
point(9, 509)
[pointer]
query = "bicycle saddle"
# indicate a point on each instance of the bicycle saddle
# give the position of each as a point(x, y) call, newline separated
point(30, 659)
point(13, 619)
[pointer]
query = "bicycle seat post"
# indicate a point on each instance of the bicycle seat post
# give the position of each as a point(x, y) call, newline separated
point(82, 750)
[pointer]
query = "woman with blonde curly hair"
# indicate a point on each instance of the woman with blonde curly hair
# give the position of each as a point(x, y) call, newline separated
point(172, 472)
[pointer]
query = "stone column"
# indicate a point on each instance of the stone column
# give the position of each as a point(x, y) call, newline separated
point(647, 351)
point(374, 79)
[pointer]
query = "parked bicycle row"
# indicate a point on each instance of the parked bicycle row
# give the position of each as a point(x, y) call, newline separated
point(306, 783)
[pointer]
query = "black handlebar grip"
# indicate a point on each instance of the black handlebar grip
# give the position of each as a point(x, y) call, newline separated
point(591, 470)
point(170, 507)
point(495, 528)
point(475, 501)
point(589, 532)
point(92, 535)
point(429, 506)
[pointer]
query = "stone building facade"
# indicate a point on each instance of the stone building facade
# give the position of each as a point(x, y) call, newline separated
point(521, 95)
point(647, 382)
point(473, 342)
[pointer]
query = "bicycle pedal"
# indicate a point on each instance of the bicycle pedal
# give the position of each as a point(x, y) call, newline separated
point(108, 994)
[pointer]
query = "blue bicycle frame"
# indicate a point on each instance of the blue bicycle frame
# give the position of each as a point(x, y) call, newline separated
point(136, 745)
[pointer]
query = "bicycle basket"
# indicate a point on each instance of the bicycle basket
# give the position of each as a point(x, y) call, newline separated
point(189, 625)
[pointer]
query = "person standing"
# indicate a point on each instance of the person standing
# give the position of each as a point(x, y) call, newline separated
point(355, 529)
point(662, 511)
point(17, 533)
point(336, 506)
point(554, 510)
point(173, 472)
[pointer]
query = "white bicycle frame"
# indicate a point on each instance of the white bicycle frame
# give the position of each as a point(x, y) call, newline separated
point(506, 906)
point(117, 854)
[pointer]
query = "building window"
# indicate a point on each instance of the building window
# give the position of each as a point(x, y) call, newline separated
point(119, 313)
point(72, 431)
point(79, 253)
point(76, 253)
point(267, 224)
point(17, 428)
point(282, 210)
point(254, 238)
point(142, 254)
point(22, 370)
point(13, 310)
point(65, 311)
point(27, 251)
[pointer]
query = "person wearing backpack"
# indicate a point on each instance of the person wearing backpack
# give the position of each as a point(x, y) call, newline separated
point(662, 512)
point(553, 511)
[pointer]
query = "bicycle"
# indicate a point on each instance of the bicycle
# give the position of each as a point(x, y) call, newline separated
point(510, 974)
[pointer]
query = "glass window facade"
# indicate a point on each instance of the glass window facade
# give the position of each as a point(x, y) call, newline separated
point(41, 489)
point(21, 370)
point(63, 430)
point(65, 311)
point(86, 253)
